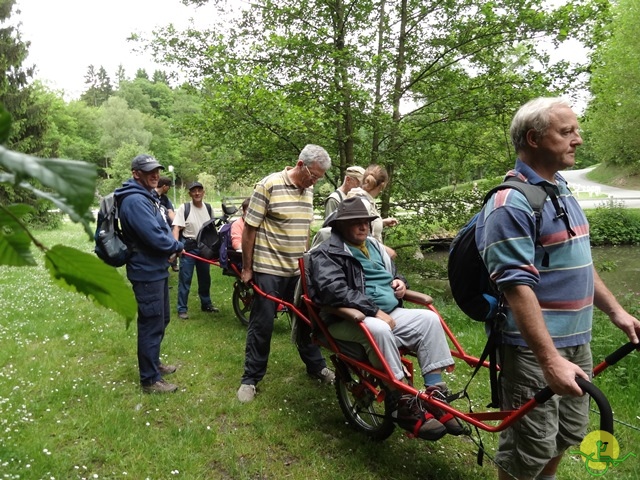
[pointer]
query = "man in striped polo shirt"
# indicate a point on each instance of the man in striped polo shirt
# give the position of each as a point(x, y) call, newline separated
point(275, 236)
point(549, 288)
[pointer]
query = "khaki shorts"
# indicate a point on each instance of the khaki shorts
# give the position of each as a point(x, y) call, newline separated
point(549, 429)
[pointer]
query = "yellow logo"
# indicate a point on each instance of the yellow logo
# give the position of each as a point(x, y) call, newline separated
point(600, 450)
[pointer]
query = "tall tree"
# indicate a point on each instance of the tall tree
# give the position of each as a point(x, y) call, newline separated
point(375, 80)
point(16, 94)
point(613, 116)
point(99, 87)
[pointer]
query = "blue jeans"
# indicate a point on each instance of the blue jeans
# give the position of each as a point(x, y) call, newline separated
point(185, 276)
point(153, 318)
point(261, 321)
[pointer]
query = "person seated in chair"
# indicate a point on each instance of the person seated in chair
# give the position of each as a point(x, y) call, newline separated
point(352, 269)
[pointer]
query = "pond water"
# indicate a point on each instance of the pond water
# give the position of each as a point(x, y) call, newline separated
point(619, 267)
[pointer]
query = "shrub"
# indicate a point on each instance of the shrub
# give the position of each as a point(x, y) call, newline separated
point(613, 224)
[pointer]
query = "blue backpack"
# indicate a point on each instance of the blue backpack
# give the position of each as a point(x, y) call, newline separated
point(224, 235)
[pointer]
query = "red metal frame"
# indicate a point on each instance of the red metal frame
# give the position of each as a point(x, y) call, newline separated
point(504, 418)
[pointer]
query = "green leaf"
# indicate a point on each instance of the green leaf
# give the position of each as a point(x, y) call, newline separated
point(73, 180)
point(87, 274)
point(15, 243)
point(5, 124)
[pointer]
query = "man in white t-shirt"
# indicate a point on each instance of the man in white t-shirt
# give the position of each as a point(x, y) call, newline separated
point(197, 212)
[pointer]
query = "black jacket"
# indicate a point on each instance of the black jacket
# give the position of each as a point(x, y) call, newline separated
point(336, 278)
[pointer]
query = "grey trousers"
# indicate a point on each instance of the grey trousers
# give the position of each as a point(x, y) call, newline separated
point(416, 329)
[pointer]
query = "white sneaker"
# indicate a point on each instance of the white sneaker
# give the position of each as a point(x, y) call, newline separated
point(325, 376)
point(246, 393)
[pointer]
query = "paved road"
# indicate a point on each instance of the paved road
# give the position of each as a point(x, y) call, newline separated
point(577, 180)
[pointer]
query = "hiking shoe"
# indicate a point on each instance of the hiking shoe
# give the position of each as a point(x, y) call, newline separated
point(210, 308)
point(439, 391)
point(159, 387)
point(325, 376)
point(412, 416)
point(167, 369)
point(183, 315)
point(246, 393)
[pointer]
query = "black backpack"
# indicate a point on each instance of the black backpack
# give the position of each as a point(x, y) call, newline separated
point(473, 291)
point(471, 287)
point(208, 240)
point(110, 246)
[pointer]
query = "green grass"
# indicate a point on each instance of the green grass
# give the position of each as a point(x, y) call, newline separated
point(71, 407)
point(615, 176)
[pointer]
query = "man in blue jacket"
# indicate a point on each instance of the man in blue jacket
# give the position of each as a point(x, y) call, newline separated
point(146, 231)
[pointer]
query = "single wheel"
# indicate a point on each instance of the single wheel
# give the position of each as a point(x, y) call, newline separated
point(242, 301)
point(360, 406)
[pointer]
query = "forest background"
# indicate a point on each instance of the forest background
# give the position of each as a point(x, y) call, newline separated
point(426, 88)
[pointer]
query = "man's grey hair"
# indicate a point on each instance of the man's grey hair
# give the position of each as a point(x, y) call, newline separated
point(314, 153)
point(533, 115)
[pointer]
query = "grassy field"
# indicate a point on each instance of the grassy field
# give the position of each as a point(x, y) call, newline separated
point(71, 407)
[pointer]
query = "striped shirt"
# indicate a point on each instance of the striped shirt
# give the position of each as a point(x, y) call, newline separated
point(505, 235)
point(282, 213)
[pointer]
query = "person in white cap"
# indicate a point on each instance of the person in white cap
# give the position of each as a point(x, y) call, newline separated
point(352, 179)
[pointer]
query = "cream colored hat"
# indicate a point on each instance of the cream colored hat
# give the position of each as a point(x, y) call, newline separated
point(355, 172)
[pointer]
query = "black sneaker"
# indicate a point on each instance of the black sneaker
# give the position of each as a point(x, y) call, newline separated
point(413, 417)
point(210, 308)
point(439, 391)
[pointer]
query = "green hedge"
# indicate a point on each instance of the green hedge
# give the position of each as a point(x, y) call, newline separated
point(613, 224)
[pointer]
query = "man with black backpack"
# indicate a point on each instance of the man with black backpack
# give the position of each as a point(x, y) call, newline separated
point(189, 219)
point(548, 286)
point(146, 232)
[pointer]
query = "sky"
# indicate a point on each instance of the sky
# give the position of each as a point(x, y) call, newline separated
point(69, 35)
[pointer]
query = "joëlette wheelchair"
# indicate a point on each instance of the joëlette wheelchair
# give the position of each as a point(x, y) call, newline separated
point(362, 390)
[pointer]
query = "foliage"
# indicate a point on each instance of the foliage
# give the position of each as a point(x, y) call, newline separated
point(437, 214)
point(70, 186)
point(99, 87)
point(613, 224)
point(404, 84)
point(612, 117)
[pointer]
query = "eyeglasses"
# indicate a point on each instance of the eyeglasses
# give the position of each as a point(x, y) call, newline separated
point(313, 176)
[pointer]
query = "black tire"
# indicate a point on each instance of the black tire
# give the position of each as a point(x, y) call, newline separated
point(361, 409)
point(242, 302)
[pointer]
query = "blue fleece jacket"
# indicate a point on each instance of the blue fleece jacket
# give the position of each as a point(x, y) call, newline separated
point(145, 227)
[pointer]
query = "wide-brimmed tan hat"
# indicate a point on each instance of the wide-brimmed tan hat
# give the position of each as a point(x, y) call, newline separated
point(350, 209)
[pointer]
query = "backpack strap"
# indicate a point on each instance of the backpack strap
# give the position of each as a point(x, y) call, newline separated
point(536, 195)
point(187, 210)
point(337, 194)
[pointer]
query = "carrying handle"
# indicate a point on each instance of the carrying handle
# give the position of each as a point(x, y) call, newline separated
point(606, 415)
point(621, 352)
